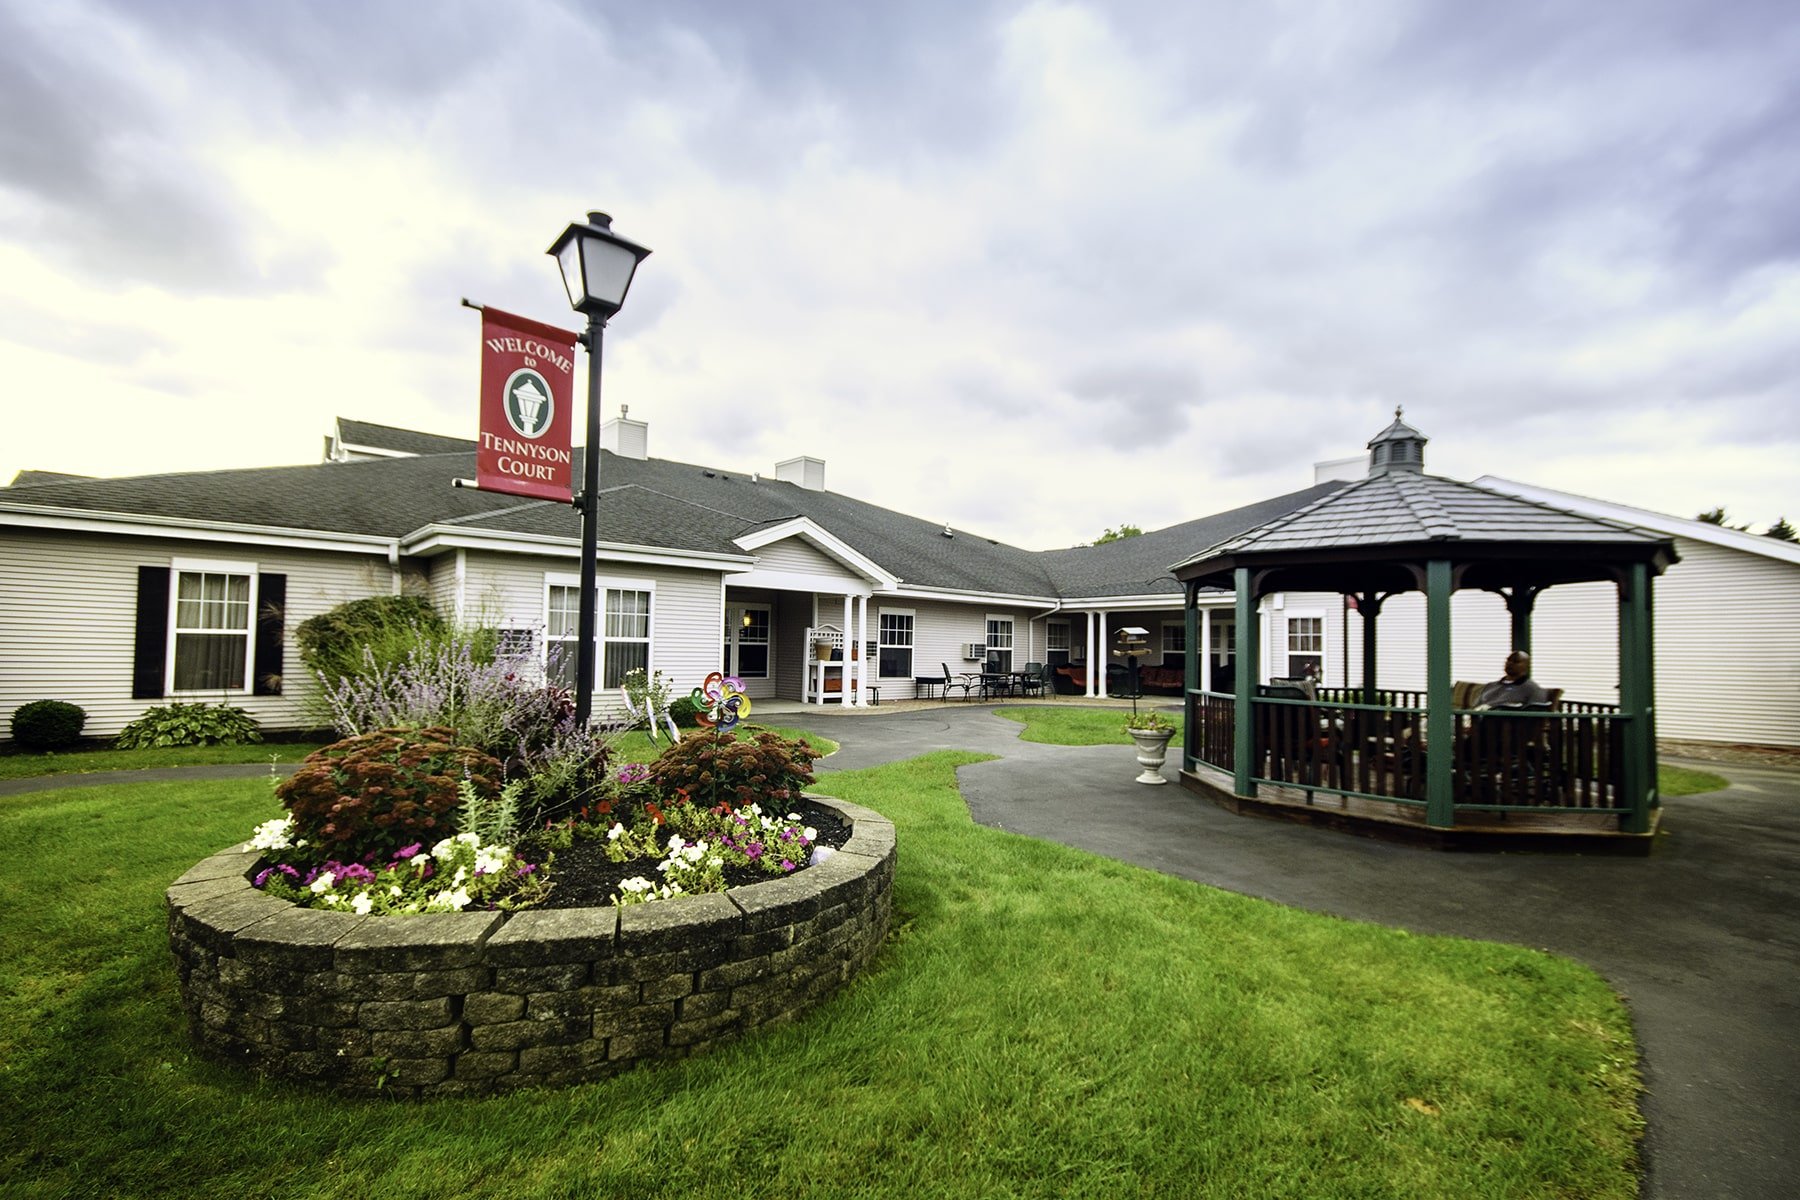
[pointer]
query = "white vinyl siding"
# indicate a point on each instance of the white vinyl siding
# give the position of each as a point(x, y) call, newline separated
point(798, 556)
point(687, 614)
point(68, 620)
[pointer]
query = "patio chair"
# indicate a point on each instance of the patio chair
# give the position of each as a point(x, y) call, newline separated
point(1035, 680)
point(958, 681)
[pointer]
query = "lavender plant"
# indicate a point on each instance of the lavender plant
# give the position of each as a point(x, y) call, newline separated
point(495, 704)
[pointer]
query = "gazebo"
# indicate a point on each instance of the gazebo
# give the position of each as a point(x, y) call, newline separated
point(1428, 764)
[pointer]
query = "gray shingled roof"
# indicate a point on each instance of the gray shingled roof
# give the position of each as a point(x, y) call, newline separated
point(29, 478)
point(1140, 565)
point(400, 441)
point(652, 503)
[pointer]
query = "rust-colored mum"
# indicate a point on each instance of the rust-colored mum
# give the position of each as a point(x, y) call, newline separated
point(374, 793)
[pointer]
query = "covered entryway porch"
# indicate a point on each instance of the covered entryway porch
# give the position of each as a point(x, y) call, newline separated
point(797, 623)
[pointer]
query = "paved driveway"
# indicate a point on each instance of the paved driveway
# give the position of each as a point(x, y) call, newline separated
point(1702, 938)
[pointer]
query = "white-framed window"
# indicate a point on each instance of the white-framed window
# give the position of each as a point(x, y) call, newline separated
point(1057, 639)
point(211, 620)
point(894, 628)
point(1000, 641)
point(747, 641)
point(562, 617)
point(515, 643)
point(624, 635)
point(1174, 638)
point(623, 607)
point(1305, 646)
point(1224, 636)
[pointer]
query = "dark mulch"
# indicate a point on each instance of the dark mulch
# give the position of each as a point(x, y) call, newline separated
point(583, 877)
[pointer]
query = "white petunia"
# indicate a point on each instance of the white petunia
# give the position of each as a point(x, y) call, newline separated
point(322, 884)
point(362, 904)
point(273, 835)
point(615, 833)
point(809, 833)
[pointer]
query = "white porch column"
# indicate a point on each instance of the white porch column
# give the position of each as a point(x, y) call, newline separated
point(849, 648)
point(862, 638)
point(1106, 659)
point(1205, 649)
point(1090, 623)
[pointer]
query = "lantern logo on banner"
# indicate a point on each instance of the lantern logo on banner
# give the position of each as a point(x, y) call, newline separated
point(527, 379)
point(529, 405)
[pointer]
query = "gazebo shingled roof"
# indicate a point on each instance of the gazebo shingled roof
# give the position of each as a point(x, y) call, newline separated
point(1365, 535)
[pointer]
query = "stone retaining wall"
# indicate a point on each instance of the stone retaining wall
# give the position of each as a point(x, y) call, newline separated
point(468, 1003)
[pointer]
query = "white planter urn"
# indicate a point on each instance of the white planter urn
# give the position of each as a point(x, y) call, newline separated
point(1152, 748)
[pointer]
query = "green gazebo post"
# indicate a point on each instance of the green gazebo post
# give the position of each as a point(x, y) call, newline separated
point(1440, 720)
point(1637, 697)
point(1249, 654)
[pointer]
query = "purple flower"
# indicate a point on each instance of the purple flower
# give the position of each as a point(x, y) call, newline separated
point(527, 868)
point(262, 877)
point(289, 871)
point(406, 852)
point(787, 864)
point(754, 850)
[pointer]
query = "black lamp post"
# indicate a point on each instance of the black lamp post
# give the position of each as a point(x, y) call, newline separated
point(597, 266)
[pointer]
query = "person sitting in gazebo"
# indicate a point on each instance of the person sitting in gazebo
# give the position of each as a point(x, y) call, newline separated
point(1516, 688)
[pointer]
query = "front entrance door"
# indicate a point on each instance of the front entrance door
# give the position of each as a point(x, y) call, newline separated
point(749, 646)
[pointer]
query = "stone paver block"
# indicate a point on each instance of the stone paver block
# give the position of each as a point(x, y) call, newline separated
point(555, 935)
point(432, 941)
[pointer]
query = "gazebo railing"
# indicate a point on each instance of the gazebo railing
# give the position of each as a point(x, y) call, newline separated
point(1503, 761)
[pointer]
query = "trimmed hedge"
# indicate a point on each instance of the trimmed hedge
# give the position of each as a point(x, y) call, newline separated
point(47, 724)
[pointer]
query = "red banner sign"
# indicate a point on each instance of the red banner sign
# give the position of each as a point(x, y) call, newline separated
point(527, 380)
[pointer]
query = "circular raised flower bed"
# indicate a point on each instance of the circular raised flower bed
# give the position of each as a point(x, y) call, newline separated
point(474, 1002)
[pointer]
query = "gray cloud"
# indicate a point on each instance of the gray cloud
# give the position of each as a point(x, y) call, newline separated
point(107, 185)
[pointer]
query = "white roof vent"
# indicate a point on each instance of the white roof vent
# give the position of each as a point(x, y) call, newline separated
point(809, 473)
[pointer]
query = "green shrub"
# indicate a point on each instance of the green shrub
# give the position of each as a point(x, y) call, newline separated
point(685, 712)
point(47, 724)
point(378, 629)
point(190, 725)
point(376, 793)
point(767, 769)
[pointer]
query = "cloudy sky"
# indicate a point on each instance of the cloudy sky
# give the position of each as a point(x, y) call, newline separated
point(1033, 268)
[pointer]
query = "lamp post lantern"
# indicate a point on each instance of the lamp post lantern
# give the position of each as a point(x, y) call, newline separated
point(597, 265)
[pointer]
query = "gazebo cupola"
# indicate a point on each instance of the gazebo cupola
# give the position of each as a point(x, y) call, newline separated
point(1399, 447)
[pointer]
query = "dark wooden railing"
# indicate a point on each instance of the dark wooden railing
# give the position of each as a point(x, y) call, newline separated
point(1570, 760)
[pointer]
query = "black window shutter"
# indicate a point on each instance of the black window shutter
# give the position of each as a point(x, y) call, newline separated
point(271, 616)
point(150, 653)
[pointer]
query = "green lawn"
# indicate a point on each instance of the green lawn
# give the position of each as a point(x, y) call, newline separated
point(1042, 1022)
point(1104, 727)
point(1083, 726)
point(25, 766)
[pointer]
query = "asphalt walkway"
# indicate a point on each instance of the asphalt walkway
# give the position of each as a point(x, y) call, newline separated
point(1702, 938)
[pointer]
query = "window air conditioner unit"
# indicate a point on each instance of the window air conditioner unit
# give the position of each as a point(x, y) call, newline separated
point(975, 651)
